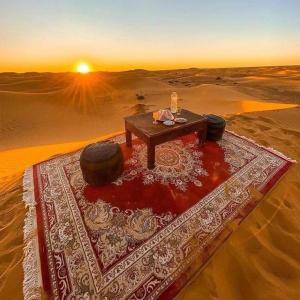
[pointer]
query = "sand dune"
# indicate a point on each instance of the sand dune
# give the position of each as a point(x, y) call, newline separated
point(34, 106)
point(135, 82)
point(47, 114)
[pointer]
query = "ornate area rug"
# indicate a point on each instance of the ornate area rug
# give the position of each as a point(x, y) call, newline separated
point(146, 234)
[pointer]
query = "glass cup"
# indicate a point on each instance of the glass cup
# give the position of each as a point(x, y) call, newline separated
point(178, 110)
point(155, 116)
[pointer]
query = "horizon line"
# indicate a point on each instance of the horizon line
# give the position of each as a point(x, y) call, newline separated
point(154, 70)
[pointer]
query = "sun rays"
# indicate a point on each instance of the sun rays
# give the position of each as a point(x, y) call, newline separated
point(88, 92)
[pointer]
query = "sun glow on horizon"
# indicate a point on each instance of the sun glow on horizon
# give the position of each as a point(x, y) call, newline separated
point(83, 68)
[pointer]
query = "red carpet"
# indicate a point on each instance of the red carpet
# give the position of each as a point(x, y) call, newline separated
point(146, 234)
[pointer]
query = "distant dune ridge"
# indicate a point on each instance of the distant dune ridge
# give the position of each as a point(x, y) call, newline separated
point(34, 106)
point(45, 114)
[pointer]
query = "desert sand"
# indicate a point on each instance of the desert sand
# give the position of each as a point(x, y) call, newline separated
point(45, 114)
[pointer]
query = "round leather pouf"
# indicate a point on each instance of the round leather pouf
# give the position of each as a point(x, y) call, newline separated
point(101, 163)
point(215, 127)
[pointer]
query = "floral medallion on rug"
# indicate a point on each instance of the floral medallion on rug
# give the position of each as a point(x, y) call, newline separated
point(146, 234)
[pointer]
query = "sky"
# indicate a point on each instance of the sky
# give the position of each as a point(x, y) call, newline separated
point(113, 35)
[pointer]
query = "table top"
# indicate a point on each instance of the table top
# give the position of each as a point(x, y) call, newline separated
point(144, 123)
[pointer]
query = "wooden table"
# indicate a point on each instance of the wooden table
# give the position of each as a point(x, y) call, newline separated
point(154, 134)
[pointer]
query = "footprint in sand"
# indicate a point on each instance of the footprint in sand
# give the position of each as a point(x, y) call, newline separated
point(266, 120)
point(263, 127)
point(249, 130)
point(291, 132)
point(287, 204)
point(282, 140)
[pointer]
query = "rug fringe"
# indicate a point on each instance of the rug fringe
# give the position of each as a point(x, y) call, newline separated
point(31, 283)
point(263, 147)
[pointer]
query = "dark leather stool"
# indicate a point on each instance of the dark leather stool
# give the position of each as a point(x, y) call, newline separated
point(215, 127)
point(101, 163)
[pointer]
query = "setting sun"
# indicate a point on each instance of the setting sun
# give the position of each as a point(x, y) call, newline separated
point(83, 68)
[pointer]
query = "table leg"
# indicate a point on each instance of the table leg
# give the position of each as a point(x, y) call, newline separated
point(151, 156)
point(128, 138)
point(202, 136)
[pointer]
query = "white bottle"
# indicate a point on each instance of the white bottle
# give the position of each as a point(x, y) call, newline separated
point(173, 105)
